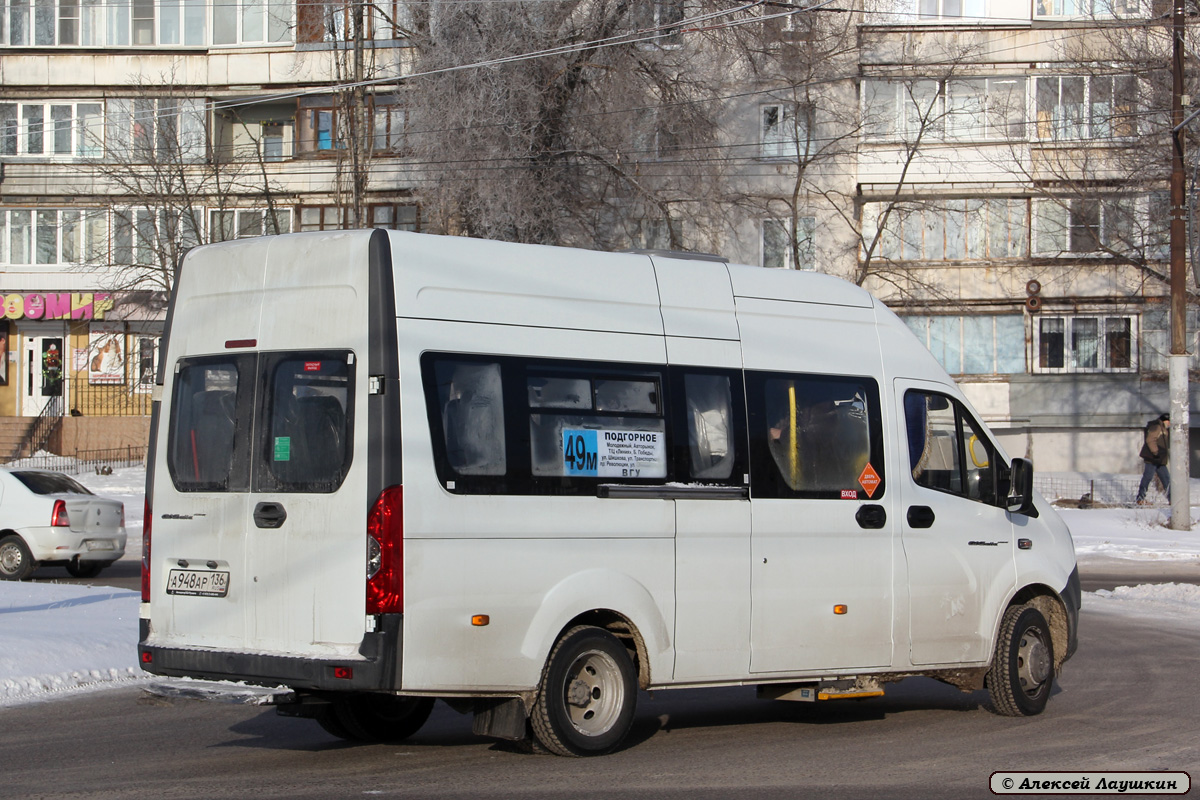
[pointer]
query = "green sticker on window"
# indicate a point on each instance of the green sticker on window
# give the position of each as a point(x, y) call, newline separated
point(283, 448)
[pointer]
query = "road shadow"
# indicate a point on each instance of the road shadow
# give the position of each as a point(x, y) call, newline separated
point(658, 712)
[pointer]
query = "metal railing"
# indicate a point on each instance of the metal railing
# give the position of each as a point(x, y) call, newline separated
point(1108, 490)
point(87, 460)
point(43, 428)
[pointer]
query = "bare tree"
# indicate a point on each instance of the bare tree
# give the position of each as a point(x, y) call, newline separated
point(175, 174)
point(603, 136)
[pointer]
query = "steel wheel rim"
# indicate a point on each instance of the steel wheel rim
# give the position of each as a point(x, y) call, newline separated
point(594, 693)
point(10, 558)
point(1033, 660)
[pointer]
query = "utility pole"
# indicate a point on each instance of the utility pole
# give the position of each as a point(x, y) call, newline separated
point(1180, 453)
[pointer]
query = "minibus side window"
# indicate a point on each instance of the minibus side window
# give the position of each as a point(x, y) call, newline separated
point(712, 443)
point(307, 440)
point(947, 449)
point(816, 436)
point(981, 457)
point(471, 405)
point(617, 430)
point(207, 447)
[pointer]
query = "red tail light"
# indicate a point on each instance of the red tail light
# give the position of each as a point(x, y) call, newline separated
point(58, 517)
point(385, 553)
point(146, 554)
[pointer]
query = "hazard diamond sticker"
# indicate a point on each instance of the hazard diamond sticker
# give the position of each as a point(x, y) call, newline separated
point(869, 480)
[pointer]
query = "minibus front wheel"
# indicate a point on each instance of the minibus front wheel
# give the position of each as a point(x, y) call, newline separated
point(588, 694)
point(1022, 672)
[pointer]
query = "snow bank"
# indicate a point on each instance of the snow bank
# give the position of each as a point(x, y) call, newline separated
point(1179, 602)
point(1136, 533)
point(58, 638)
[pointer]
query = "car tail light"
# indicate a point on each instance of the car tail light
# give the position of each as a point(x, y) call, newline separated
point(58, 517)
point(146, 554)
point(385, 553)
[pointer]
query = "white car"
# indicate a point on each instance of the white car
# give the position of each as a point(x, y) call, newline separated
point(50, 518)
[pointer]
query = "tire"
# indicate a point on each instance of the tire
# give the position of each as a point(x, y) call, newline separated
point(84, 569)
point(588, 695)
point(16, 562)
point(375, 717)
point(1022, 672)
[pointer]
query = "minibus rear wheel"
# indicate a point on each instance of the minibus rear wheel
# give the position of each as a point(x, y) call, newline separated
point(1022, 672)
point(588, 694)
point(375, 717)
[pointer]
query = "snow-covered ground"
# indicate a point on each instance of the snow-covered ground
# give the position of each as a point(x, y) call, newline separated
point(64, 638)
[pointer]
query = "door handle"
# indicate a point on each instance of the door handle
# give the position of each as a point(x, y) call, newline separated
point(871, 517)
point(920, 517)
point(269, 515)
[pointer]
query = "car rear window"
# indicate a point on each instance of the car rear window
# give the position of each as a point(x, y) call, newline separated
point(50, 483)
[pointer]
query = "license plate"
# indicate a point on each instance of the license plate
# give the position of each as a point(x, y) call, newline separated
point(100, 544)
point(199, 583)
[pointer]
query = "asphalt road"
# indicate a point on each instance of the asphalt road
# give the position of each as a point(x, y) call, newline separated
point(1123, 703)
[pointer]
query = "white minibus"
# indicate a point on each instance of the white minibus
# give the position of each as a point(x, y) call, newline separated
point(389, 468)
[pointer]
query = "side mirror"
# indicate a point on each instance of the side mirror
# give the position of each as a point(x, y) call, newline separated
point(1020, 493)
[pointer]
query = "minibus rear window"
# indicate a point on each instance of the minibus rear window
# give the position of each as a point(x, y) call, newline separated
point(206, 448)
point(307, 422)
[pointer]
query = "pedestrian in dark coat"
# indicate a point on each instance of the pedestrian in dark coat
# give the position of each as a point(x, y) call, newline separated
point(1154, 454)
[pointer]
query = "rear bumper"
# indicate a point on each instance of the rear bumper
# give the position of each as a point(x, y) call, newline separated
point(62, 544)
point(375, 670)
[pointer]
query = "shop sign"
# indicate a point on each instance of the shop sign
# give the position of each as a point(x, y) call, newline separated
point(57, 305)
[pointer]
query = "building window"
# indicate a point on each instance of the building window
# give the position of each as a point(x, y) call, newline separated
point(1087, 8)
point(251, 22)
point(320, 130)
point(777, 243)
point(97, 23)
point(1086, 107)
point(902, 110)
point(154, 237)
point(390, 216)
point(333, 20)
point(1098, 224)
point(938, 9)
point(981, 109)
point(60, 129)
point(978, 344)
point(324, 128)
point(969, 109)
point(786, 130)
point(162, 129)
point(950, 230)
point(225, 225)
point(53, 236)
point(654, 135)
point(659, 17)
point(389, 129)
point(657, 234)
point(1085, 344)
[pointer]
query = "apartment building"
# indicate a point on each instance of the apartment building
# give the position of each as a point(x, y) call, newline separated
point(130, 131)
point(1012, 174)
